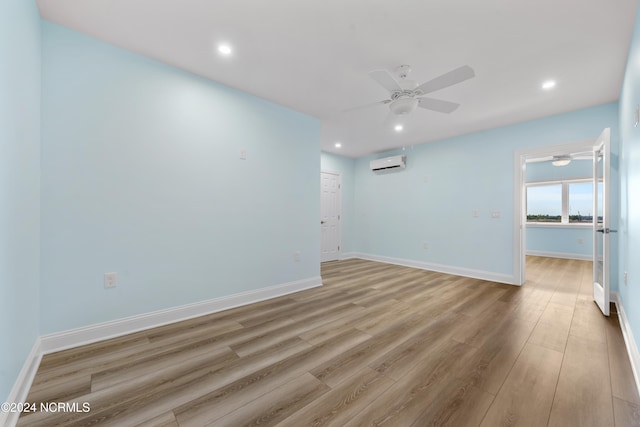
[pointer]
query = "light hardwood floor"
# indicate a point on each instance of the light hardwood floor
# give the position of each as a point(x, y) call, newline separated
point(377, 345)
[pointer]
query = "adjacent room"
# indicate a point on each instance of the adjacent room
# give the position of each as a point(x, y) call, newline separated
point(319, 213)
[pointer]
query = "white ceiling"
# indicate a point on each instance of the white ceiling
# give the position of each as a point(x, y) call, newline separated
point(314, 56)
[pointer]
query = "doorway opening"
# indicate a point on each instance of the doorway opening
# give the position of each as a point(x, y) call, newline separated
point(534, 156)
point(598, 151)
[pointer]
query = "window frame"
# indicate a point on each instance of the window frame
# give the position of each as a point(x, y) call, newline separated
point(564, 219)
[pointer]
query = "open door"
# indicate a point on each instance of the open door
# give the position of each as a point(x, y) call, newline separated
point(601, 221)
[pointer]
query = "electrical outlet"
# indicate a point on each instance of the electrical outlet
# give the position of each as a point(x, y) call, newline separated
point(495, 214)
point(296, 256)
point(425, 246)
point(580, 241)
point(110, 280)
point(475, 213)
point(625, 278)
point(243, 154)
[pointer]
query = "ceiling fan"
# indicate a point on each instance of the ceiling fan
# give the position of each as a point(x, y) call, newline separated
point(563, 159)
point(405, 95)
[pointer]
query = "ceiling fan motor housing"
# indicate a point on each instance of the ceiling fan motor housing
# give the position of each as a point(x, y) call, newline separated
point(405, 101)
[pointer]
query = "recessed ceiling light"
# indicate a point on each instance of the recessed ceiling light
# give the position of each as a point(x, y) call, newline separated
point(398, 128)
point(337, 145)
point(224, 49)
point(549, 84)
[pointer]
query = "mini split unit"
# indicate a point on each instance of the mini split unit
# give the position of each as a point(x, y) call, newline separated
point(388, 163)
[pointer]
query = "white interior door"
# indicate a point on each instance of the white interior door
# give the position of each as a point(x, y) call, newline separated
point(330, 216)
point(601, 221)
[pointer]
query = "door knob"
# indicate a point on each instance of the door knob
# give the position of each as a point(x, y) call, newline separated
point(606, 230)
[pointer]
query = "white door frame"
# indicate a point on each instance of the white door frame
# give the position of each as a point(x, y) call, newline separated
point(339, 175)
point(520, 158)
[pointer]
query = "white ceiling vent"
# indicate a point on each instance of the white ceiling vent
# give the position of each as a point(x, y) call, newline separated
point(388, 163)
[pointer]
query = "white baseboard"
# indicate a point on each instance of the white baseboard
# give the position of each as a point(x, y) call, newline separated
point(88, 334)
point(22, 385)
point(564, 255)
point(458, 271)
point(627, 333)
point(348, 255)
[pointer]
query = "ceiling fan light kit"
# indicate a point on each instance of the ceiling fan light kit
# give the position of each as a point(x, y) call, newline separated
point(403, 105)
point(561, 160)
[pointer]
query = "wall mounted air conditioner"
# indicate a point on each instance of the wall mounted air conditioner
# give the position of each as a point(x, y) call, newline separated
point(388, 163)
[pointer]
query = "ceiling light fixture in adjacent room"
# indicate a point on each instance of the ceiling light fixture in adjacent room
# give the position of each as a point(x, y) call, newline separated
point(549, 84)
point(561, 160)
point(337, 145)
point(398, 128)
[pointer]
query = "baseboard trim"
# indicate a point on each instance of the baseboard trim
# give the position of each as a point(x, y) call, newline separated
point(97, 332)
point(564, 255)
point(22, 385)
point(348, 255)
point(630, 343)
point(458, 271)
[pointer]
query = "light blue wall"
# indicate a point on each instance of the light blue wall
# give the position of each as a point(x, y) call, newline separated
point(19, 186)
point(141, 175)
point(560, 240)
point(629, 230)
point(346, 167)
point(397, 212)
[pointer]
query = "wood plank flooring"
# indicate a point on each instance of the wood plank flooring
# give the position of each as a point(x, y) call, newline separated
point(376, 345)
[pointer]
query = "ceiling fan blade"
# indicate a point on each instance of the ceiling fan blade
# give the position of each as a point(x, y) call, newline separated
point(448, 79)
point(583, 155)
point(540, 159)
point(437, 105)
point(386, 80)
point(360, 107)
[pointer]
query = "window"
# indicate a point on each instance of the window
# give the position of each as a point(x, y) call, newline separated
point(567, 202)
point(544, 203)
point(581, 202)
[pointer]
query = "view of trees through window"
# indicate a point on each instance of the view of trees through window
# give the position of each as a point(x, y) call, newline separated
point(566, 202)
point(544, 203)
